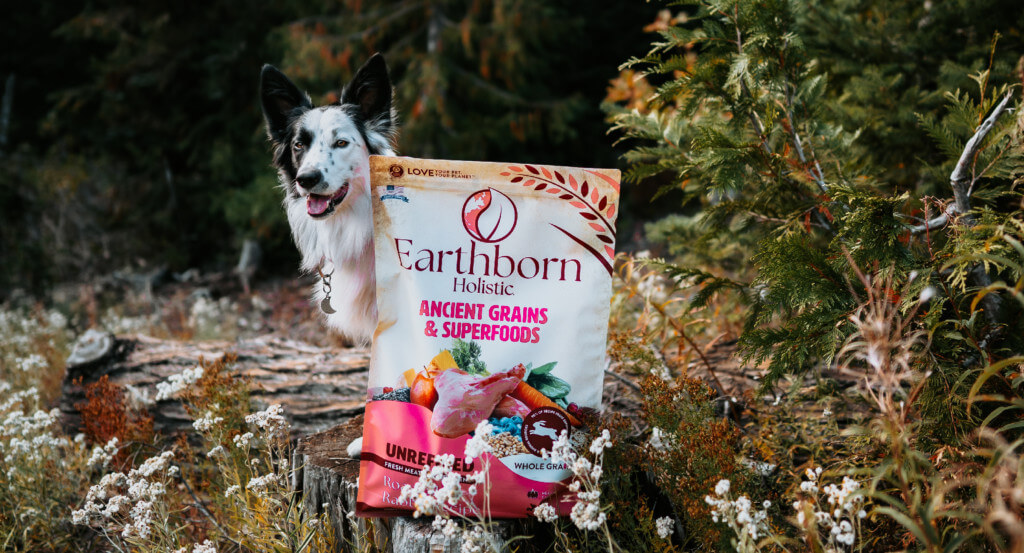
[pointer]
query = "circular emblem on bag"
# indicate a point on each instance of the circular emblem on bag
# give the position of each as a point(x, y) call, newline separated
point(396, 171)
point(489, 215)
point(541, 427)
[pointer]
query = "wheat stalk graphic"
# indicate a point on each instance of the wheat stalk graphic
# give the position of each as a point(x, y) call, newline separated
point(596, 208)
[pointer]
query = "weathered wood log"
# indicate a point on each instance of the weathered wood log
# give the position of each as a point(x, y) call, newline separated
point(318, 387)
point(329, 484)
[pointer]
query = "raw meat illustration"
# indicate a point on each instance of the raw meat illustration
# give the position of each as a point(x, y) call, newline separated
point(510, 407)
point(463, 400)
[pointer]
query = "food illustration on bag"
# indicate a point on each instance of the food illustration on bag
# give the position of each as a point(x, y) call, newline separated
point(459, 401)
point(493, 289)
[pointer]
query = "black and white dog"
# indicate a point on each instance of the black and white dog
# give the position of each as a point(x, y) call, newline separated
point(322, 156)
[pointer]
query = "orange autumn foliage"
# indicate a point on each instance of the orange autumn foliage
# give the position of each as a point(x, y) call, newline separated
point(106, 414)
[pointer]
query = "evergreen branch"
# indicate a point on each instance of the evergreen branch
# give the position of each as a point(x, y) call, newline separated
point(816, 172)
point(759, 129)
point(755, 120)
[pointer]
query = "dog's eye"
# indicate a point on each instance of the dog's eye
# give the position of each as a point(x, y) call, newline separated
point(298, 146)
point(341, 143)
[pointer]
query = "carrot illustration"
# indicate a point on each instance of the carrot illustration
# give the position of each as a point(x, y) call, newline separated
point(534, 399)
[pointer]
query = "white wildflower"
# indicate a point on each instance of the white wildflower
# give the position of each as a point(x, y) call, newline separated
point(242, 441)
point(722, 487)
point(665, 527)
point(206, 422)
point(101, 456)
point(659, 439)
point(478, 444)
point(177, 382)
point(601, 443)
point(33, 363)
point(219, 450)
point(474, 540)
point(445, 525)
point(271, 420)
point(261, 484)
point(206, 547)
point(545, 512)
point(587, 515)
point(232, 490)
point(56, 320)
point(838, 521)
point(438, 485)
point(153, 464)
point(747, 523)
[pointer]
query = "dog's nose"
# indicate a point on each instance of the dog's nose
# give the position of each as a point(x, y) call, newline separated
point(309, 179)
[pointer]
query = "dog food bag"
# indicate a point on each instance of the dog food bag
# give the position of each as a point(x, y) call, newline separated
point(493, 293)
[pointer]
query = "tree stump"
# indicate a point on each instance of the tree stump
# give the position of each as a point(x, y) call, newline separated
point(329, 483)
point(318, 387)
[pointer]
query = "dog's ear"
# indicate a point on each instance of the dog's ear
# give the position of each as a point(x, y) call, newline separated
point(282, 101)
point(370, 89)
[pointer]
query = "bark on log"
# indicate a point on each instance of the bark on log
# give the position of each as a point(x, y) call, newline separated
point(318, 387)
point(329, 481)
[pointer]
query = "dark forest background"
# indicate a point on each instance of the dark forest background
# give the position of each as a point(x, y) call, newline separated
point(131, 136)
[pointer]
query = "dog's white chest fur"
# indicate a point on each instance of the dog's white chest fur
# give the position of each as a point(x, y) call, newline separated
point(341, 247)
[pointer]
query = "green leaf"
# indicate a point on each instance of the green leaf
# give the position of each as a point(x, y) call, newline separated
point(545, 368)
point(549, 385)
point(904, 521)
point(988, 373)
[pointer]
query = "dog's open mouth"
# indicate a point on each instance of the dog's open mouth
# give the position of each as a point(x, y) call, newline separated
point(318, 205)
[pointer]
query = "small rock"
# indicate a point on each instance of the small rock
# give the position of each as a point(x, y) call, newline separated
point(90, 347)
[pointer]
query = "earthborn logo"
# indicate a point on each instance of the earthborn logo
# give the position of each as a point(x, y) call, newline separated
point(394, 192)
point(396, 171)
point(489, 216)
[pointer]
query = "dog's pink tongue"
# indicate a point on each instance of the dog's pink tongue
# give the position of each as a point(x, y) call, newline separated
point(316, 204)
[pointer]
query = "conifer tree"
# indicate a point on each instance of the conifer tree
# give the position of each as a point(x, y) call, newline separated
point(814, 143)
point(491, 79)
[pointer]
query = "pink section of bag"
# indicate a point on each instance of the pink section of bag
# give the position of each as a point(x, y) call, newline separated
point(398, 443)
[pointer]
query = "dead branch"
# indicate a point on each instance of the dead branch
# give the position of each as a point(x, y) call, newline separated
point(962, 179)
point(937, 222)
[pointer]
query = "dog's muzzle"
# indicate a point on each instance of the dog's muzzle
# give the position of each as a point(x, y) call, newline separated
point(319, 205)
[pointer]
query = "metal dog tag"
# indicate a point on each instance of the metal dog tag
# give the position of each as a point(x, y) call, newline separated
point(325, 306)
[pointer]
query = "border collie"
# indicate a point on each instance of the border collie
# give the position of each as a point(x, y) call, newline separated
point(322, 157)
